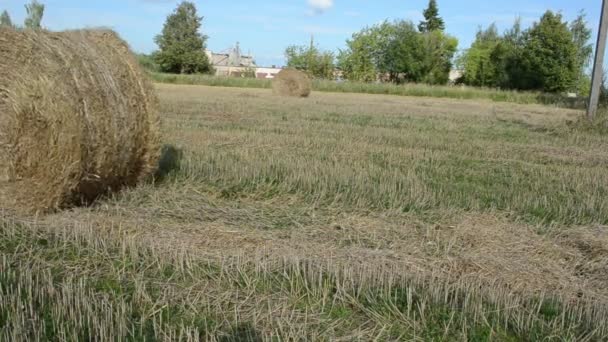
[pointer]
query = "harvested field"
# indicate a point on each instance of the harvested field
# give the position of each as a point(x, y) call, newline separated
point(337, 217)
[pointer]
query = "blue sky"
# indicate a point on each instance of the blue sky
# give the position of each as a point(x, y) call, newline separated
point(266, 27)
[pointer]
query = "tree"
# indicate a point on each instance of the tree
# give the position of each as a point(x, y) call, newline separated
point(404, 57)
point(365, 56)
point(319, 64)
point(507, 56)
point(182, 46)
point(147, 62)
point(35, 12)
point(550, 56)
point(479, 68)
point(581, 35)
point(439, 50)
point(5, 20)
point(398, 52)
point(432, 20)
point(418, 57)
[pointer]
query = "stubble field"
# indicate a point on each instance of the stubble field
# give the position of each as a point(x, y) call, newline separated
point(337, 217)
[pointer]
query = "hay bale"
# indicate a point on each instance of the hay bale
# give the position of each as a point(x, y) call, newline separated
point(291, 82)
point(78, 118)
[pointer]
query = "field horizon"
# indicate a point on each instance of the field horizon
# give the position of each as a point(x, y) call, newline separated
point(459, 92)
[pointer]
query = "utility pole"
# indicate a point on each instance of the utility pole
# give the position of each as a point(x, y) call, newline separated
point(598, 65)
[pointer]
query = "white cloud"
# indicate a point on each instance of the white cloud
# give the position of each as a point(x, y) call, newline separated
point(320, 6)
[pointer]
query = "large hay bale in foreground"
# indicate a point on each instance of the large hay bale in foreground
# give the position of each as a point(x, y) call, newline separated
point(290, 82)
point(78, 118)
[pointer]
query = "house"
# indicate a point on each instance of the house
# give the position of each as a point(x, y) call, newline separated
point(233, 63)
point(455, 75)
point(230, 62)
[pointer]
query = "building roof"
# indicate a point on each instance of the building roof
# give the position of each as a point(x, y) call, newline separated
point(231, 57)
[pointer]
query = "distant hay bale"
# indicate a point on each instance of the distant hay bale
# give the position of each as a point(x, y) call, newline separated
point(290, 82)
point(78, 118)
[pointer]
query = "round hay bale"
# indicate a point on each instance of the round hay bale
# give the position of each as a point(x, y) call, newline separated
point(78, 118)
point(291, 82)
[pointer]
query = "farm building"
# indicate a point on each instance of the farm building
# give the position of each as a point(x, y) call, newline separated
point(271, 72)
point(232, 62)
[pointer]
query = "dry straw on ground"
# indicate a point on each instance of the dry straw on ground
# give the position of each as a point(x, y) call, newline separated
point(77, 118)
point(290, 82)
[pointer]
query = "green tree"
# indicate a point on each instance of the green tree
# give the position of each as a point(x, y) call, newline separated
point(398, 52)
point(35, 12)
point(477, 63)
point(506, 59)
point(5, 20)
point(405, 54)
point(418, 57)
point(147, 62)
point(181, 45)
point(439, 51)
point(317, 63)
point(581, 35)
point(432, 20)
point(365, 55)
point(550, 55)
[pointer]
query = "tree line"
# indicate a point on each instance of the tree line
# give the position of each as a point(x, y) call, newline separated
point(551, 56)
point(33, 20)
point(396, 52)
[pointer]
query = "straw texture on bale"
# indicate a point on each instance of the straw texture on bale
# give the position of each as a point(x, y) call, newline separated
point(290, 82)
point(78, 118)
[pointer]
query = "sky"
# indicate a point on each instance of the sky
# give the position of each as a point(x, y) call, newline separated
point(265, 28)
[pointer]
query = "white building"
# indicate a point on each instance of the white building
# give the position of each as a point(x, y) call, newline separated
point(268, 73)
point(455, 75)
